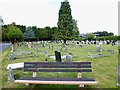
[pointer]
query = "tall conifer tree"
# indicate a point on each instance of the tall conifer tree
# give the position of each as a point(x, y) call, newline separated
point(65, 22)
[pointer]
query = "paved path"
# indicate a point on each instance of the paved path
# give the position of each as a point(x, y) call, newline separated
point(3, 46)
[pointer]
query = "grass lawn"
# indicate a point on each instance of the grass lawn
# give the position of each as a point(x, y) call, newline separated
point(104, 68)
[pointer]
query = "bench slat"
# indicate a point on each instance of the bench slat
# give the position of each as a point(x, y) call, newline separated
point(57, 82)
point(56, 79)
point(75, 81)
point(58, 70)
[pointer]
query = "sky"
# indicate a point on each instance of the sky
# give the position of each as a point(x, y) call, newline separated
point(91, 15)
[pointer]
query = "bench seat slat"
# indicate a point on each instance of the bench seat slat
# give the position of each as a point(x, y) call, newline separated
point(68, 81)
point(56, 79)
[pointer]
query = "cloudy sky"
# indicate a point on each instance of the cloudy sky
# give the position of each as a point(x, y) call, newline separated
point(92, 15)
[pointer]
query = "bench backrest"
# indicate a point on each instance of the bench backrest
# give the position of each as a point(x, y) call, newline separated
point(57, 67)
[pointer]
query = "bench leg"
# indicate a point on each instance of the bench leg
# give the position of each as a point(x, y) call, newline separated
point(34, 74)
point(81, 85)
point(80, 76)
point(27, 84)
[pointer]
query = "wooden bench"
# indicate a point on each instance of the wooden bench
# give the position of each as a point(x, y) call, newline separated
point(36, 67)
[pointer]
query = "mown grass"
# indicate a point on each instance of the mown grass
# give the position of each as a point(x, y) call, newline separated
point(104, 68)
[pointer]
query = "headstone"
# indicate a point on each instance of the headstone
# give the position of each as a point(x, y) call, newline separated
point(113, 43)
point(105, 42)
point(58, 56)
point(94, 42)
point(52, 47)
point(49, 46)
point(81, 45)
point(10, 75)
point(118, 75)
point(11, 57)
point(43, 43)
point(77, 42)
point(68, 58)
point(87, 42)
point(119, 51)
point(46, 53)
point(62, 47)
point(108, 42)
point(65, 49)
point(29, 46)
point(111, 51)
point(82, 42)
point(98, 48)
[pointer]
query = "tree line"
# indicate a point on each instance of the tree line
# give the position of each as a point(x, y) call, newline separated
point(29, 33)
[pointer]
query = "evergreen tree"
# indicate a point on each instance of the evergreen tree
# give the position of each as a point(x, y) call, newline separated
point(65, 22)
point(76, 33)
point(29, 34)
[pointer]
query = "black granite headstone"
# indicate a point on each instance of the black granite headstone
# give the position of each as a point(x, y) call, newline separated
point(58, 56)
